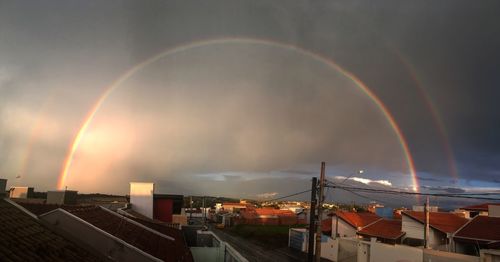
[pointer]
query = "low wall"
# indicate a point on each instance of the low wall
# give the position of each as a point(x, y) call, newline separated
point(441, 256)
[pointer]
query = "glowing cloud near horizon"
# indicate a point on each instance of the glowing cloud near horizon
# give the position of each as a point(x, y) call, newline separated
point(115, 84)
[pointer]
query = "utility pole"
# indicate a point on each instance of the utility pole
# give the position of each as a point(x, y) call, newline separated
point(190, 208)
point(203, 210)
point(312, 221)
point(426, 224)
point(320, 211)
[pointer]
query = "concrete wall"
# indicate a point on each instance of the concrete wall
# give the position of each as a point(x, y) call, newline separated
point(347, 250)
point(210, 248)
point(490, 255)
point(141, 198)
point(62, 197)
point(441, 256)
point(208, 254)
point(494, 211)
point(93, 238)
point(394, 253)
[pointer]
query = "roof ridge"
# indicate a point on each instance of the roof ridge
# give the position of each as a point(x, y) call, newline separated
point(138, 224)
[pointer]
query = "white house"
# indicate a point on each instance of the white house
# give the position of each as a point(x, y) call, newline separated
point(441, 228)
point(347, 224)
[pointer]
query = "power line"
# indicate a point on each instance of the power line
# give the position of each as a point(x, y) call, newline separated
point(295, 194)
point(385, 191)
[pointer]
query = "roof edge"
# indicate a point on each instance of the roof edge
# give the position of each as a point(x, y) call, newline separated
point(138, 224)
point(24, 210)
point(103, 232)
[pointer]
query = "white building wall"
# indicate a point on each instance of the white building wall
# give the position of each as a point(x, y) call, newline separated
point(141, 198)
point(345, 230)
point(415, 230)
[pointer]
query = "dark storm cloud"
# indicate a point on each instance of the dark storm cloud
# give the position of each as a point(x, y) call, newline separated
point(73, 53)
point(445, 189)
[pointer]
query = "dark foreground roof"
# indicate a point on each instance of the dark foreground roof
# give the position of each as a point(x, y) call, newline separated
point(120, 227)
point(23, 238)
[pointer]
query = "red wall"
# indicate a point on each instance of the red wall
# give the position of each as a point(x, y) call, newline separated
point(162, 209)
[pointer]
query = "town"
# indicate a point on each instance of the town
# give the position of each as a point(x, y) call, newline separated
point(146, 225)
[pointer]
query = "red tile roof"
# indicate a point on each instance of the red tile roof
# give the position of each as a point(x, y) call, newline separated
point(23, 238)
point(384, 228)
point(444, 222)
point(481, 228)
point(480, 207)
point(257, 212)
point(357, 219)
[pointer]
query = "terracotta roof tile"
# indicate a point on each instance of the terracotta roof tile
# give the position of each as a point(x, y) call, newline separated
point(480, 207)
point(444, 222)
point(357, 219)
point(481, 228)
point(384, 228)
point(23, 238)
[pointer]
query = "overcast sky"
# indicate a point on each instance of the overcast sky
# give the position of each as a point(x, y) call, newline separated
point(246, 118)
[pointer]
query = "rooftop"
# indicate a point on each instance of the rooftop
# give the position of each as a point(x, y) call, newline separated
point(257, 212)
point(442, 221)
point(357, 219)
point(23, 238)
point(481, 228)
point(118, 226)
point(384, 228)
point(480, 207)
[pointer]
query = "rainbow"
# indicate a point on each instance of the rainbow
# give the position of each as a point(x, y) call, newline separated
point(450, 158)
point(116, 83)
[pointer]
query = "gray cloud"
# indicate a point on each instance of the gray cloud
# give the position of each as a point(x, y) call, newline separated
point(244, 108)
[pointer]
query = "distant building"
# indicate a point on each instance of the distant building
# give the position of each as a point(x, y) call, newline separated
point(476, 210)
point(163, 207)
point(422, 208)
point(267, 216)
point(233, 207)
point(21, 192)
point(62, 197)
